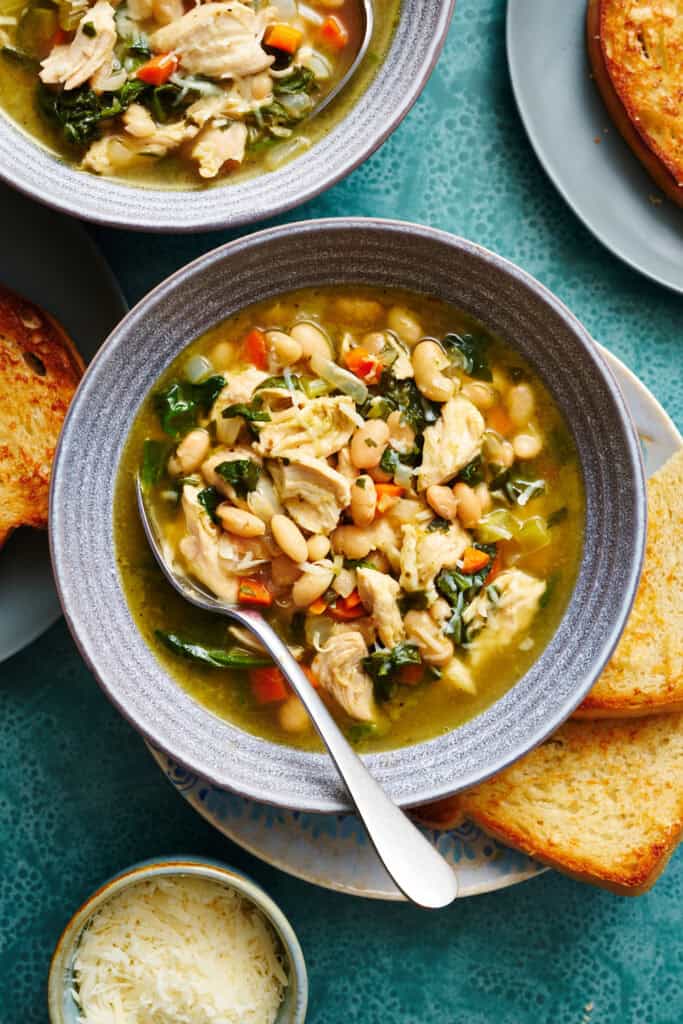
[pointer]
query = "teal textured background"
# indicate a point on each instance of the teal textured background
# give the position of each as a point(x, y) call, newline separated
point(80, 797)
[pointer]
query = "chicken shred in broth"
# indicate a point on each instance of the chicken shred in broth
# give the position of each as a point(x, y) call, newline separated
point(392, 486)
point(172, 91)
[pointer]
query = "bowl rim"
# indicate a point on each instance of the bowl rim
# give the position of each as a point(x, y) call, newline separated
point(428, 792)
point(67, 201)
point(179, 865)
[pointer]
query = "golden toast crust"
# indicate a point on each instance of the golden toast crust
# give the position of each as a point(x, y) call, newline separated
point(39, 372)
point(636, 55)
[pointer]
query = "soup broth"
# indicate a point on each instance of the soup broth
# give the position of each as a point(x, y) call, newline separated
point(166, 106)
point(395, 489)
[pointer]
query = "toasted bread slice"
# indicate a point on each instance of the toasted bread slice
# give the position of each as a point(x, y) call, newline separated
point(634, 54)
point(39, 372)
point(645, 673)
point(600, 801)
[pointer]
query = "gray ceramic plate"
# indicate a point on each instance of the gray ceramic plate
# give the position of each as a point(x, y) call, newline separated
point(603, 182)
point(46, 247)
point(511, 304)
point(414, 50)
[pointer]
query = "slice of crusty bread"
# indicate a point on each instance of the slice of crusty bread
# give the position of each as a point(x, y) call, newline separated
point(634, 50)
point(39, 372)
point(600, 801)
point(645, 673)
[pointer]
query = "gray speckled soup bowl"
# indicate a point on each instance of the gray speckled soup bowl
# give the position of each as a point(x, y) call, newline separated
point(365, 122)
point(508, 302)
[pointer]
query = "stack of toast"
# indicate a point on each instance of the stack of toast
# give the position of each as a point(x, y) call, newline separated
point(602, 800)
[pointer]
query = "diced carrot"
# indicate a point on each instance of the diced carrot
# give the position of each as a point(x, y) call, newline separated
point(334, 33)
point(352, 601)
point(499, 420)
point(410, 675)
point(255, 350)
point(344, 612)
point(496, 568)
point(60, 37)
point(364, 364)
point(283, 37)
point(311, 676)
point(473, 560)
point(252, 592)
point(318, 607)
point(158, 70)
point(387, 496)
point(268, 685)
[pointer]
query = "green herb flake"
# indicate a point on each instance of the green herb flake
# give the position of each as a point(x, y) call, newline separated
point(242, 475)
point(210, 499)
point(154, 458)
point(382, 664)
point(89, 29)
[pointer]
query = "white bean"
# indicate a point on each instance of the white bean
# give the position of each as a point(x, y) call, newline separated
point(312, 339)
point(292, 715)
point(287, 350)
point(402, 321)
point(191, 452)
point(360, 311)
point(352, 541)
point(363, 500)
point(239, 522)
point(368, 444)
point(480, 394)
point(310, 586)
point(484, 495)
point(374, 342)
point(222, 355)
point(526, 446)
point(318, 546)
point(520, 404)
point(469, 509)
point(429, 360)
point(443, 501)
point(289, 538)
point(261, 85)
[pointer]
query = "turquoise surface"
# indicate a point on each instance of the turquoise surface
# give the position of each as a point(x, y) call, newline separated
point(80, 797)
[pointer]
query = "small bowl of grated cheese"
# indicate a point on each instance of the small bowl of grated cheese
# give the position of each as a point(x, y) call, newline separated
point(178, 940)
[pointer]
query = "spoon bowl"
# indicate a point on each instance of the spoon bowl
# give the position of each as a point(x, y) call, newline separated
point(422, 875)
point(368, 13)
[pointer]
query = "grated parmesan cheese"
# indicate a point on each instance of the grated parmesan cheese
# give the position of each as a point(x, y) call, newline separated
point(180, 950)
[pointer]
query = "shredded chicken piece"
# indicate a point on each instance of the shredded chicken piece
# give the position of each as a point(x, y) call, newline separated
point(500, 620)
point(91, 50)
point(216, 145)
point(456, 675)
point(144, 138)
point(218, 40)
point(424, 555)
point(435, 648)
point(339, 670)
point(379, 593)
point(313, 493)
point(200, 551)
point(319, 427)
point(451, 442)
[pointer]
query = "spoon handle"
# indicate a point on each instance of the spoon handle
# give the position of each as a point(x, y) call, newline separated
point(414, 865)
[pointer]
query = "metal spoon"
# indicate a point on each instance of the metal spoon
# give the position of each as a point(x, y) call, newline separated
point(417, 869)
point(368, 15)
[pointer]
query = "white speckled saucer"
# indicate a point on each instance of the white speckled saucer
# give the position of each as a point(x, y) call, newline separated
point(332, 850)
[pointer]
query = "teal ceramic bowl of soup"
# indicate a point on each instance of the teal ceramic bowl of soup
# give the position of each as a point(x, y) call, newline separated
point(163, 116)
point(401, 449)
point(178, 935)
